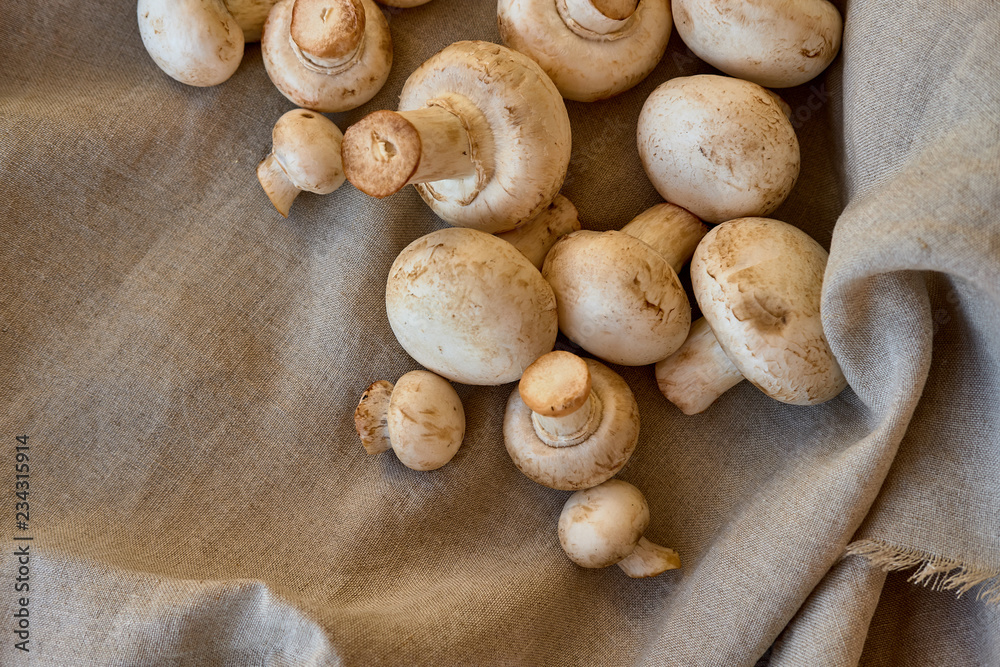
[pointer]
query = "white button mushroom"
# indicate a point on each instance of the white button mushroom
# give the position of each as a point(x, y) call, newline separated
point(720, 147)
point(537, 236)
point(592, 49)
point(470, 307)
point(327, 55)
point(305, 155)
point(618, 293)
point(572, 423)
point(420, 418)
point(603, 526)
point(481, 131)
point(776, 43)
point(758, 282)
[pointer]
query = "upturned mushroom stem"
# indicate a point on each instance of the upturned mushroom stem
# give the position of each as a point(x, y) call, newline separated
point(649, 559)
point(596, 16)
point(670, 230)
point(327, 36)
point(694, 376)
point(371, 419)
point(279, 188)
point(571, 429)
point(387, 150)
point(250, 15)
point(557, 388)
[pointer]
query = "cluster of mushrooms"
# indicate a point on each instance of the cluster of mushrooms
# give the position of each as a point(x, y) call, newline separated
point(482, 132)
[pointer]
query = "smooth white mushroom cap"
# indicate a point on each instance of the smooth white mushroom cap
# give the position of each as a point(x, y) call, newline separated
point(618, 298)
point(197, 42)
point(777, 44)
point(307, 144)
point(758, 282)
point(426, 421)
point(470, 307)
point(600, 526)
point(720, 147)
point(584, 63)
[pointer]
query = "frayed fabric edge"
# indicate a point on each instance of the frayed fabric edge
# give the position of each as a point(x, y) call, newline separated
point(935, 572)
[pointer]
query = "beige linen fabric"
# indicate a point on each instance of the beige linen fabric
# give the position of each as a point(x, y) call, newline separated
point(186, 364)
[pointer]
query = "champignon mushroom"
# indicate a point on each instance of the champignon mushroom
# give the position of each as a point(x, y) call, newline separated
point(470, 307)
point(592, 49)
point(481, 131)
point(775, 43)
point(758, 283)
point(199, 42)
point(327, 55)
point(305, 155)
point(720, 147)
point(603, 526)
point(572, 423)
point(420, 418)
point(618, 293)
point(537, 236)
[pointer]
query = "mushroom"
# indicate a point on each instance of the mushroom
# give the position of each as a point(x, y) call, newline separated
point(604, 526)
point(481, 131)
point(758, 283)
point(200, 42)
point(572, 423)
point(470, 307)
point(327, 55)
point(537, 236)
point(592, 49)
point(305, 155)
point(720, 147)
point(618, 293)
point(420, 418)
point(775, 43)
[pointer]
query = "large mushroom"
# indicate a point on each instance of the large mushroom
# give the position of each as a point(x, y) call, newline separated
point(327, 55)
point(470, 307)
point(604, 526)
point(775, 43)
point(592, 49)
point(720, 147)
point(481, 131)
point(758, 283)
point(618, 293)
point(200, 42)
point(572, 423)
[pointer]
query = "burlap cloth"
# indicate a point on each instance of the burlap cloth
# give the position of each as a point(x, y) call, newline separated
point(186, 364)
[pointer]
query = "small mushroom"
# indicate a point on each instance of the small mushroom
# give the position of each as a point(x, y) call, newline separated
point(572, 423)
point(481, 131)
point(720, 147)
point(327, 55)
point(618, 293)
point(603, 526)
point(537, 236)
point(775, 43)
point(420, 418)
point(758, 283)
point(305, 155)
point(199, 42)
point(470, 307)
point(592, 49)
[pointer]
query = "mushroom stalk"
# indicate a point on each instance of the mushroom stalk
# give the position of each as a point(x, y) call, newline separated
point(598, 16)
point(669, 230)
point(571, 429)
point(371, 419)
point(649, 559)
point(278, 187)
point(537, 236)
point(697, 373)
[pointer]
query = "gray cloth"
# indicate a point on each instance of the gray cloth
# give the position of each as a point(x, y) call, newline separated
point(187, 363)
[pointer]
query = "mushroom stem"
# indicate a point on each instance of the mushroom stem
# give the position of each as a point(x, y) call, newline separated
point(537, 236)
point(371, 418)
point(649, 559)
point(387, 150)
point(670, 230)
point(571, 429)
point(597, 16)
point(697, 373)
point(279, 188)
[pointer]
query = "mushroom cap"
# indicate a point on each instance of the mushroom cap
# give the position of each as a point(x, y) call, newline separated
point(589, 463)
point(758, 282)
point(470, 307)
point(775, 44)
point(618, 298)
point(307, 145)
point(426, 421)
point(586, 65)
point(528, 127)
point(331, 89)
point(600, 526)
point(720, 147)
point(196, 42)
